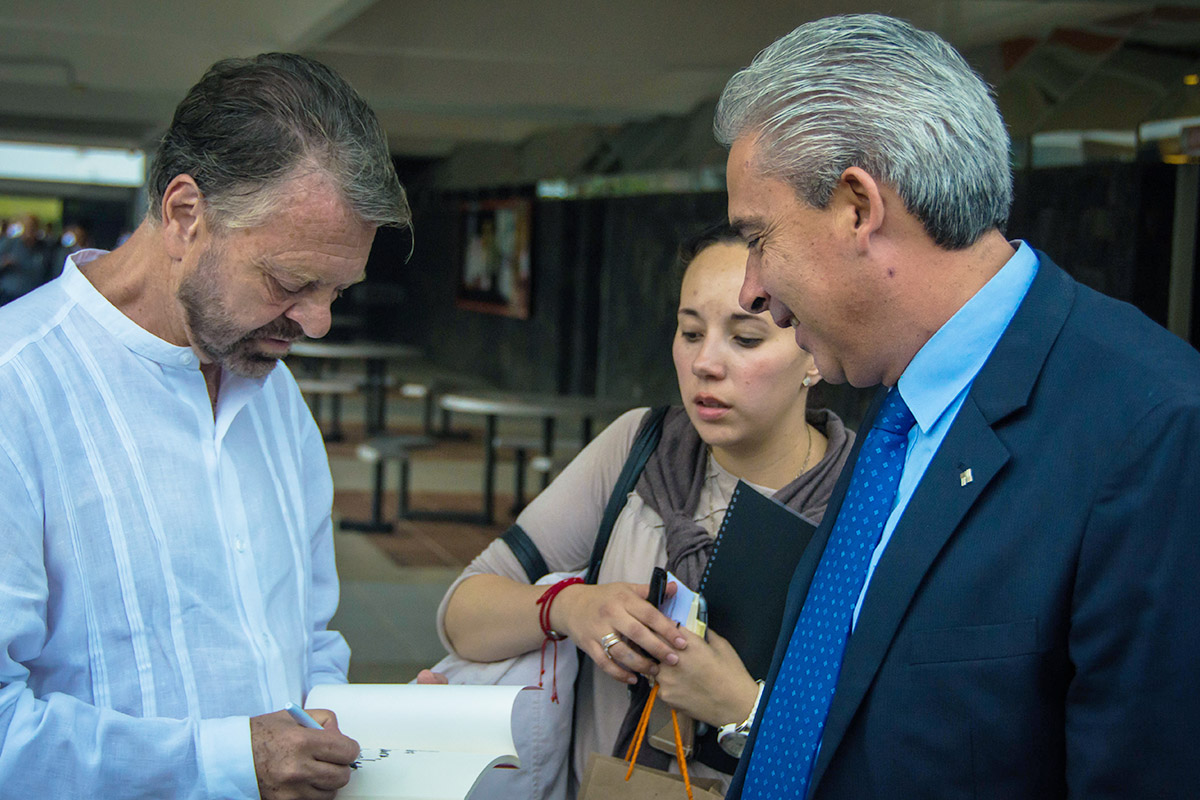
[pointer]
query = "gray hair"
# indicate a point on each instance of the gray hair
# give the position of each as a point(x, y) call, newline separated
point(874, 92)
point(251, 124)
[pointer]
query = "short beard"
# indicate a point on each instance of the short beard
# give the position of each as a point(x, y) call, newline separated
point(213, 330)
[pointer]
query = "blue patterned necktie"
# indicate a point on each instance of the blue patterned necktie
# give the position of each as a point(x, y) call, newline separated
point(786, 746)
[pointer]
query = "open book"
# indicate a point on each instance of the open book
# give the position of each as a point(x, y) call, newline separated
point(422, 742)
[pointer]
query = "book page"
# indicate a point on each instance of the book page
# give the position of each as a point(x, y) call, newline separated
point(421, 742)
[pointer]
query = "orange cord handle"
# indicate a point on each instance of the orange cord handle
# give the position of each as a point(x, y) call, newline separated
point(679, 756)
point(640, 732)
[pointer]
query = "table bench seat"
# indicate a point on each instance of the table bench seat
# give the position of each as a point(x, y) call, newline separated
point(318, 356)
point(378, 451)
point(315, 390)
point(548, 466)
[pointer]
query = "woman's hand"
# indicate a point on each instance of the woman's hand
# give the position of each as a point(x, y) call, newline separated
point(708, 682)
point(589, 613)
point(428, 677)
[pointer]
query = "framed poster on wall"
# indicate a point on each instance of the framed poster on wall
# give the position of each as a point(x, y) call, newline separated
point(496, 274)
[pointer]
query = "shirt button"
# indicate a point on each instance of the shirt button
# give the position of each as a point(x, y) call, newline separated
point(239, 545)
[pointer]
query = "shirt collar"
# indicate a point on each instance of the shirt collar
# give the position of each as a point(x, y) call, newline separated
point(125, 330)
point(134, 336)
point(953, 356)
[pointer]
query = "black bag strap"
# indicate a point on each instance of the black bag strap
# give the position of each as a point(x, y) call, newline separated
point(526, 551)
point(639, 454)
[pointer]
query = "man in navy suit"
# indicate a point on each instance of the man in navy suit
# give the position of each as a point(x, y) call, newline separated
point(1027, 623)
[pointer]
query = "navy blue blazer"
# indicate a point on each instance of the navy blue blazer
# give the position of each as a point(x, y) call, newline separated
point(1034, 633)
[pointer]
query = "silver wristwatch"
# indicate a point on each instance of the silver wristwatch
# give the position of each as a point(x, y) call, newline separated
point(732, 737)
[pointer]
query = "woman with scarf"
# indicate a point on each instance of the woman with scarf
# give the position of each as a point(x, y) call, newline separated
point(744, 385)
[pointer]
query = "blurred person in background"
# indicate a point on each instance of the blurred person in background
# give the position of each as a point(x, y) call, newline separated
point(24, 258)
point(73, 238)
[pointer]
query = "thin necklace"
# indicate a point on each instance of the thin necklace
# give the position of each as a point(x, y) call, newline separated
point(808, 452)
point(803, 467)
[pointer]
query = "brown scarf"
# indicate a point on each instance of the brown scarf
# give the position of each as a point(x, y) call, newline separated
point(671, 484)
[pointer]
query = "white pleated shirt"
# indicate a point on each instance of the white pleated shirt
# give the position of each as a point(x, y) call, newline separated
point(165, 573)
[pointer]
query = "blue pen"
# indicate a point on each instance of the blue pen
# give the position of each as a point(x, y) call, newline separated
point(301, 716)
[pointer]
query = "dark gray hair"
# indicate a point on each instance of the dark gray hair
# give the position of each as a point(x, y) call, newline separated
point(720, 232)
point(874, 92)
point(251, 124)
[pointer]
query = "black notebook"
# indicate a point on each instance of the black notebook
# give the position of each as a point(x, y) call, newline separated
point(746, 583)
point(747, 577)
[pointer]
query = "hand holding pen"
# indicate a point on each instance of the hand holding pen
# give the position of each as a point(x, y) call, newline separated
point(301, 716)
point(299, 754)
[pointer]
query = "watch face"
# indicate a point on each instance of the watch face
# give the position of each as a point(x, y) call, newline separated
point(733, 743)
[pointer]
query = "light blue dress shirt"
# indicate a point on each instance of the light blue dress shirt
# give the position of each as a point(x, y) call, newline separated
point(167, 572)
point(937, 380)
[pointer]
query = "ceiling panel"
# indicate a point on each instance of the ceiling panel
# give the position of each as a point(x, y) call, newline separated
point(455, 72)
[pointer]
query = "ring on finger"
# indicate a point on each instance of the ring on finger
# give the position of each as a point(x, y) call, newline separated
point(607, 641)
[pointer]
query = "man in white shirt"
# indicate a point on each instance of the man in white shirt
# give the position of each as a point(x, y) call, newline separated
point(165, 498)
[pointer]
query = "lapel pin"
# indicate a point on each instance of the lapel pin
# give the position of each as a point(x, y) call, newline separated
point(965, 477)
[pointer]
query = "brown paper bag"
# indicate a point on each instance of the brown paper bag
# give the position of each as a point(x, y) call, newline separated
point(663, 738)
point(604, 779)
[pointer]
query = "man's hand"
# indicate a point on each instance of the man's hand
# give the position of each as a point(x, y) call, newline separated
point(297, 763)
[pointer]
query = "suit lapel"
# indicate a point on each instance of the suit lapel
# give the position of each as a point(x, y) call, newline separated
point(933, 513)
point(943, 498)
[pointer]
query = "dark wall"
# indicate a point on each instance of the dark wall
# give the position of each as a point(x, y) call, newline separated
point(510, 353)
point(605, 283)
point(605, 290)
point(1108, 225)
point(604, 294)
point(639, 290)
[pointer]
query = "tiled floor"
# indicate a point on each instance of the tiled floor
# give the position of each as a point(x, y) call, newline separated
point(387, 612)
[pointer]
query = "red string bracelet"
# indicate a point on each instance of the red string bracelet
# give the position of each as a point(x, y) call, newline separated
point(552, 636)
